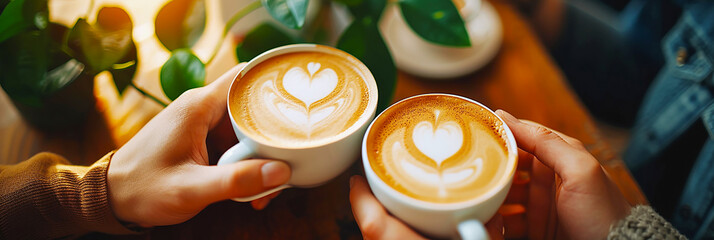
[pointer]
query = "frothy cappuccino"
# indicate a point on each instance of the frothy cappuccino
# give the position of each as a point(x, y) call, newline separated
point(438, 148)
point(301, 99)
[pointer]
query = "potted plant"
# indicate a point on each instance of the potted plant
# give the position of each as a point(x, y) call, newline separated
point(437, 21)
point(48, 69)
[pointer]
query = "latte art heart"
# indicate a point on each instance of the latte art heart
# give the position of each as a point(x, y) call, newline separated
point(438, 149)
point(309, 86)
point(300, 98)
point(440, 143)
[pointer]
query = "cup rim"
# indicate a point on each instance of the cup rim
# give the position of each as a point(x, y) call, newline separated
point(365, 117)
point(502, 183)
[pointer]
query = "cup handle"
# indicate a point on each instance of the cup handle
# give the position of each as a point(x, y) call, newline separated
point(472, 229)
point(241, 152)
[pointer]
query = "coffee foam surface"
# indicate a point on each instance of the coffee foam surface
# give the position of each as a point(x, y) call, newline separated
point(438, 148)
point(299, 99)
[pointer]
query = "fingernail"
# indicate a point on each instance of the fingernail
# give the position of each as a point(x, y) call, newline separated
point(507, 116)
point(352, 181)
point(275, 173)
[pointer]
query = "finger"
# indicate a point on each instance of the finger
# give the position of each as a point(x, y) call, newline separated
point(223, 82)
point(541, 196)
point(494, 227)
point(263, 202)
point(218, 90)
point(372, 218)
point(549, 148)
point(242, 179)
point(570, 140)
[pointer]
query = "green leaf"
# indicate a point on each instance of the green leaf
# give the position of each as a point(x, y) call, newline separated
point(363, 40)
point(21, 15)
point(113, 19)
point(437, 21)
point(24, 65)
point(57, 37)
point(180, 23)
point(11, 20)
point(116, 19)
point(123, 71)
point(349, 2)
point(24, 69)
point(104, 44)
point(63, 68)
point(262, 38)
point(182, 72)
point(291, 13)
point(60, 77)
point(371, 8)
point(3, 4)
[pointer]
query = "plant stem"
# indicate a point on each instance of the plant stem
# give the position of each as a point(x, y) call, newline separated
point(240, 14)
point(89, 10)
point(146, 94)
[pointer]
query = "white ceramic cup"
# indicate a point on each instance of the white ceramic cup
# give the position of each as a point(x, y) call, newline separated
point(445, 220)
point(314, 165)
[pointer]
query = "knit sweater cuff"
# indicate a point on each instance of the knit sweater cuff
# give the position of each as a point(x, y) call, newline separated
point(643, 223)
point(94, 193)
point(46, 197)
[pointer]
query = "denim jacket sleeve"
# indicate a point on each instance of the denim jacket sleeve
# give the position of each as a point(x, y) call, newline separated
point(652, 67)
point(681, 97)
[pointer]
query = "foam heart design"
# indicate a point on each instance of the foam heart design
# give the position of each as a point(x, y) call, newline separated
point(459, 175)
point(302, 119)
point(440, 143)
point(425, 176)
point(313, 67)
point(448, 177)
point(310, 87)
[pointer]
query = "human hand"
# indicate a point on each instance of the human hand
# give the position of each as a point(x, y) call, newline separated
point(376, 223)
point(586, 201)
point(162, 175)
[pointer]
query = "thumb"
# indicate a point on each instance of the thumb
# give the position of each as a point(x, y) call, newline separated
point(242, 179)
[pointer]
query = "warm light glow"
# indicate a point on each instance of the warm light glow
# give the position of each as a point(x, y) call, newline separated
point(126, 114)
point(143, 32)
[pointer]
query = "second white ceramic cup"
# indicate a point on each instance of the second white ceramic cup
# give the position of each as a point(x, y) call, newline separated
point(445, 220)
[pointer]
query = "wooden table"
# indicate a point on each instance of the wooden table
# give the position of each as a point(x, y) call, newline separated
point(522, 79)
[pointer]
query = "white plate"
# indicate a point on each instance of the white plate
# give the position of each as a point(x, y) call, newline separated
point(414, 55)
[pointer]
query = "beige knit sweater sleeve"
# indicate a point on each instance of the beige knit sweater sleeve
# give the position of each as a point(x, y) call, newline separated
point(644, 223)
point(45, 197)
